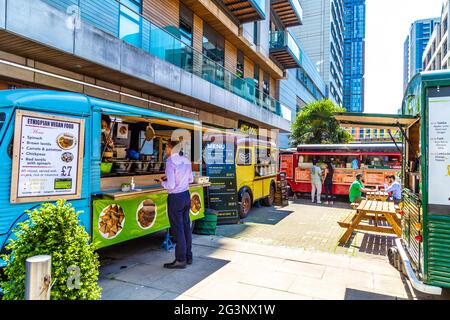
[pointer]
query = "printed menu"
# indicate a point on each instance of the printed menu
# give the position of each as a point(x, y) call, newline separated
point(439, 151)
point(221, 170)
point(47, 163)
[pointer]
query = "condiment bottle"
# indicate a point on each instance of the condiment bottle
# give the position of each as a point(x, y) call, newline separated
point(133, 185)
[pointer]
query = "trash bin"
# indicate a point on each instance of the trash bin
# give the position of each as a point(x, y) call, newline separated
point(207, 225)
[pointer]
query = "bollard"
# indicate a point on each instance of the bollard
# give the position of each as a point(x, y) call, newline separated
point(38, 278)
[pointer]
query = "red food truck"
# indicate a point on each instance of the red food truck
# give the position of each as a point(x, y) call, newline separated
point(375, 161)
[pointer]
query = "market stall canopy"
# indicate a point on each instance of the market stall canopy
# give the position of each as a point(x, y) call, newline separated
point(374, 120)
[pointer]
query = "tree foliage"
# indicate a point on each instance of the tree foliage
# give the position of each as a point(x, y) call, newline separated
point(53, 230)
point(316, 124)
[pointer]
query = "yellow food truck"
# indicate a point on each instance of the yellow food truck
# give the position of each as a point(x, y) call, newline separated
point(242, 171)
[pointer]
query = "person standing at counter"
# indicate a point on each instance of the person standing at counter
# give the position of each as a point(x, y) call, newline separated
point(328, 183)
point(316, 181)
point(176, 182)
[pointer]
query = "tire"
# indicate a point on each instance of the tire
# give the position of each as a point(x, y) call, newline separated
point(268, 201)
point(245, 205)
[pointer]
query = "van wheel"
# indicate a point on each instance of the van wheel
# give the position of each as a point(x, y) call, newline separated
point(268, 201)
point(245, 205)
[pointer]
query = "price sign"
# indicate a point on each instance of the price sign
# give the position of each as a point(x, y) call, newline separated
point(47, 157)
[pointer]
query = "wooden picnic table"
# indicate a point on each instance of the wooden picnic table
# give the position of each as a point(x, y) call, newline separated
point(375, 211)
point(377, 195)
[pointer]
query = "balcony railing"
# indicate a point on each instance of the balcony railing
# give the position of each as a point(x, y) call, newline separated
point(290, 12)
point(247, 10)
point(285, 50)
point(166, 45)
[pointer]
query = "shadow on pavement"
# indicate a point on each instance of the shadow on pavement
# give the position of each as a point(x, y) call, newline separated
point(354, 294)
point(270, 216)
point(134, 270)
point(376, 244)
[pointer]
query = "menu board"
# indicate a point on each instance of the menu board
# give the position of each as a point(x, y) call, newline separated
point(47, 160)
point(439, 151)
point(221, 170)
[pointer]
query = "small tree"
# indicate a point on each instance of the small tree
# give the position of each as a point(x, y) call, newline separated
point(54, 230)
point(316, 124)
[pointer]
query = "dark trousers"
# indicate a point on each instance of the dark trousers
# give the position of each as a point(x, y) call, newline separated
point(178, 207)
point(328, 185)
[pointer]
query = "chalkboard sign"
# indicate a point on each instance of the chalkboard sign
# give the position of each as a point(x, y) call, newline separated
point(221, 170)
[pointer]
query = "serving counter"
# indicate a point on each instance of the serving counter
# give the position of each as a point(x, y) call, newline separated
point(120, 216)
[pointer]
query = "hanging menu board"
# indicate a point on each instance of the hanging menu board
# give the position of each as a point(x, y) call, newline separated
point(221, 170)
point(47, 158)
point(439, 151)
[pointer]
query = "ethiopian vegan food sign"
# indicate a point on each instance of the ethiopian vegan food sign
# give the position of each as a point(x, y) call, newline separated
point(47, 157)
point(116, 221)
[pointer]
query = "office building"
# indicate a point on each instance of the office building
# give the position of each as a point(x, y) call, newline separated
point(354, 54)
point(436, 54)
point(302, 86)
point(322, 38)
point(414, 46)
point(218, 61)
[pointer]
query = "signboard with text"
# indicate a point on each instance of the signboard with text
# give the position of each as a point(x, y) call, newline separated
point(47, 157)
point(439, 151)
point(221, 170)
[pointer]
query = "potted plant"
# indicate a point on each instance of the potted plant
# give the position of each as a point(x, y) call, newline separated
point(53, 230)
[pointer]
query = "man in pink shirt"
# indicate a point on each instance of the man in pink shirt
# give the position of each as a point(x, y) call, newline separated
point(176, 182)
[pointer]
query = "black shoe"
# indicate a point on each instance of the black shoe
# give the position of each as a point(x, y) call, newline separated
point(189, 261)
point(175, 265)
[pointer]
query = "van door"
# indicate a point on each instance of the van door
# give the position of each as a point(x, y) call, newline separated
point(245, 168)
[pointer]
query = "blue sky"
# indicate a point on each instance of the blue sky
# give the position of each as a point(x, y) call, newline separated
point(387, 26)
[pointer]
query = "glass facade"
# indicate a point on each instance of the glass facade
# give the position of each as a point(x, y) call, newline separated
point(354, 54)
point(414, 47)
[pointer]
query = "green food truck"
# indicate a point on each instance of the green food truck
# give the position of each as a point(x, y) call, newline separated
point(423, 251)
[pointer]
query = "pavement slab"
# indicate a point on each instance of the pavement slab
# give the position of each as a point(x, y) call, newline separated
point(276, 253)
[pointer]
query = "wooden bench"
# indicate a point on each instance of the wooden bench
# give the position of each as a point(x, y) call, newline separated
point(354, 205)
point(347, 219)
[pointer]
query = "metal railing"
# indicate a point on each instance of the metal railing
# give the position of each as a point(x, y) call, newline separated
point(166, 44)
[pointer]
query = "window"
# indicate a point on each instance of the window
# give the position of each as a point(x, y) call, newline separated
point(213, 44)
point(186, 24)
point(2, 120)
point(244, 157)
point(240, 64)
point(257, 82)
point(147, 146)
point(130, 22)
point(213, 48)
point(186, 37)
point(255, 33)
point(266, 83)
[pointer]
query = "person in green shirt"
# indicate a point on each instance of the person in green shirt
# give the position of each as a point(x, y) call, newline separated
point(356, 189)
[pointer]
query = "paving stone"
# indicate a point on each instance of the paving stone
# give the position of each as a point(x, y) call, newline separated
point(348, 277)
point(127, 291)
point(225, 290)
point(316, 288)
point(144, 274)
point(270, 294)
point(273, 280)
point(302, 269)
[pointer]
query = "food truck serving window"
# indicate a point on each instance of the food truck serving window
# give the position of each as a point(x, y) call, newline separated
point(47, 157)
